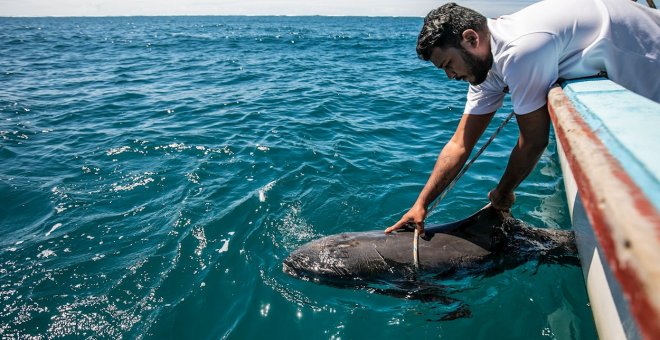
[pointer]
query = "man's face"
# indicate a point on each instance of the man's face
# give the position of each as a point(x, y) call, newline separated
point(461, 64)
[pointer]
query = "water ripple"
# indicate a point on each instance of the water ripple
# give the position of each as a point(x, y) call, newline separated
point(156, 171)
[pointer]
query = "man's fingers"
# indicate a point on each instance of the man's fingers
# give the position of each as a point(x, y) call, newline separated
point(402, 223)
point(396, 226)
point(392, 228)
point(420, 227)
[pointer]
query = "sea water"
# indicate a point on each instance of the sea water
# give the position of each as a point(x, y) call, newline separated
point(157, 170)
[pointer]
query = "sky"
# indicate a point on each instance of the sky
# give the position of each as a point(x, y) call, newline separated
point(416, 8)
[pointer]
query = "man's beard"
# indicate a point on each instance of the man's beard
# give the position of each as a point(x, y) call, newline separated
point(478, 67)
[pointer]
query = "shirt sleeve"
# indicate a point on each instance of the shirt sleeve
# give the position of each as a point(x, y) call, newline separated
point(530, 67)
point(484, 98)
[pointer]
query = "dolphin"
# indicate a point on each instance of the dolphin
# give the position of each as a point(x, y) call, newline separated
point(485, 243)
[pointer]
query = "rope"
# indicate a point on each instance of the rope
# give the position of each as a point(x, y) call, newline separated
point(416, 250)
point(451, 185)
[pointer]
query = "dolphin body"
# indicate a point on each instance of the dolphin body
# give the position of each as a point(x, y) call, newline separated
point(482, 244)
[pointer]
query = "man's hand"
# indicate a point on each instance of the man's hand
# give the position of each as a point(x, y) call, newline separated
point(501, 201)
point(534, 130)
point(416, 216)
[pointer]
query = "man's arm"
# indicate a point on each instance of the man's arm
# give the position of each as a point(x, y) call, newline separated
point(449, 163)
point(534, 131)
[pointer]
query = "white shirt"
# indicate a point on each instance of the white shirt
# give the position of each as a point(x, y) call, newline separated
point(568, 39)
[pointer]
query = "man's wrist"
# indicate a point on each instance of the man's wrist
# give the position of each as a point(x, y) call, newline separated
point(501, 200)
point(421, 204)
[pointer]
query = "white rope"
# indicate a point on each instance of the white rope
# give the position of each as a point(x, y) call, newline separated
point(451, 185)
point(468, 165)
point(416, 249)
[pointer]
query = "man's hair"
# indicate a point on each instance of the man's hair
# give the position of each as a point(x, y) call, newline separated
point(444, 27)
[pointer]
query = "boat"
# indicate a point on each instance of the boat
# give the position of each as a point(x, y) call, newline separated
point(608, 144)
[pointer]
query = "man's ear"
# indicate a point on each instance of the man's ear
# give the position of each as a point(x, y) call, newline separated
point(470, 39)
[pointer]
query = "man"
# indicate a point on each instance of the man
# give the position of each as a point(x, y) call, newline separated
point(525, 54)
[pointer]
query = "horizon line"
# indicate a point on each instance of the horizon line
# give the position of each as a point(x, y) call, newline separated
point(207, 15)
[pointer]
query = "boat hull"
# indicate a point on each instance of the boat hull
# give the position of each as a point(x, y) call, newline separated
point(611, 193)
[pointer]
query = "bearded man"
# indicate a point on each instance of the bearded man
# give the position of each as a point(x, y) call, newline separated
point(525, 54)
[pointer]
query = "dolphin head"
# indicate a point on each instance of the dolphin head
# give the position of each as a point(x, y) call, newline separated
point(319, 259)
point(347, 258)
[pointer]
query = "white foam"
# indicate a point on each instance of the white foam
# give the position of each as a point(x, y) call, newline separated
point(264, 190)
point(46, 253)
point(116, 151)
point(265, 308)
point(60, 207)
point(294, 229)
point(550, 210)
point(57, 225)
point(225, 246)
point(174, 146)
point(128, 187)
point(549, 170)
point(199, 234)
point(193, 177)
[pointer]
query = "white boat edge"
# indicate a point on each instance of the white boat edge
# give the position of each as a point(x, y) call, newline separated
point(617, 226)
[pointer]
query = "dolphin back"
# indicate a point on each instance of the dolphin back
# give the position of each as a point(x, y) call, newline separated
point(474, 244)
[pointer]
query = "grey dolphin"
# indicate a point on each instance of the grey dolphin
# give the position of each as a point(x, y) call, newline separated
point(482, 244)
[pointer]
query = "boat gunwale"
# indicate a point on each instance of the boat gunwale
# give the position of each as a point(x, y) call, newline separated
point(621, 215)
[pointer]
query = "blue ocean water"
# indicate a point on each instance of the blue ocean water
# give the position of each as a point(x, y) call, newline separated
point(157, 170)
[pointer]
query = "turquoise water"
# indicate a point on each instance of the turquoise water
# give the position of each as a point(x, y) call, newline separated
point(156, 172)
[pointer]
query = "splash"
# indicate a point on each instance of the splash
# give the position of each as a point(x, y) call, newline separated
point(264, 190)
point(117, 151)
point(57, 225)
point(199, 234)
point(138, 181)
point(294, 229)
point(225, 243)
point(46, 254)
